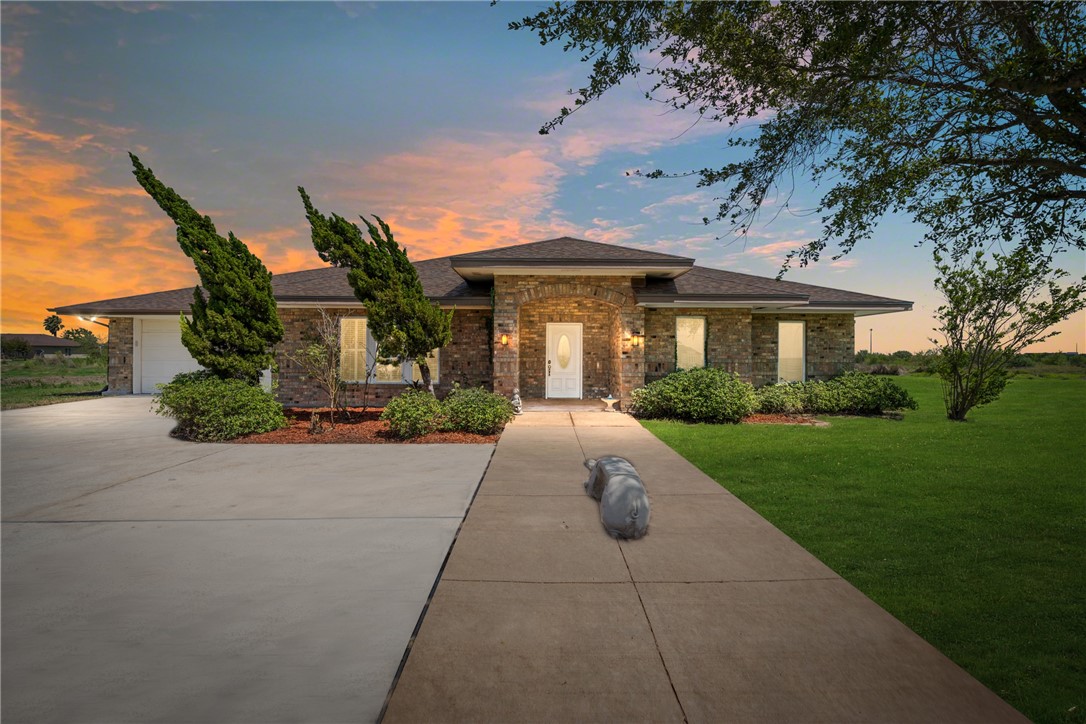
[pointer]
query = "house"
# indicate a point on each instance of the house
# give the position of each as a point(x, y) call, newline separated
point(562, 318)
point(46, 344)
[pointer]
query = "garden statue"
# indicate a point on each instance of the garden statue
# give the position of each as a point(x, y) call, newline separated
point(518, 406)
point(624, 504)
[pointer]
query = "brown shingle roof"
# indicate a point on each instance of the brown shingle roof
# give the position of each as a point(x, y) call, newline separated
point(443, 284)
point(567, 249)
point(705, 282)
point(328, 284)
point(40, 340)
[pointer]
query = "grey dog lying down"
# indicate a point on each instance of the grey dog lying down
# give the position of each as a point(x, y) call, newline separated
point(624, 504)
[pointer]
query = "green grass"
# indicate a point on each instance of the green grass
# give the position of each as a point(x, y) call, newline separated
point(972, 534)
point(29, 383)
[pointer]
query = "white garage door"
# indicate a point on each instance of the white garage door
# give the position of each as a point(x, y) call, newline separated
point(161, 353)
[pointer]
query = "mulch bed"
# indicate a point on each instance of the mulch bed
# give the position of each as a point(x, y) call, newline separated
point(353, 426)
point(765, 419)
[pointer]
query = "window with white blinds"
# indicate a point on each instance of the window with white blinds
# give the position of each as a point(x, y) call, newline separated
point(353, 343)
point(791, 366)
point(358, 352)
point(689, 342)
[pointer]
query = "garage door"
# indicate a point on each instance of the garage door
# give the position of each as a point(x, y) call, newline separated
point(161, 353)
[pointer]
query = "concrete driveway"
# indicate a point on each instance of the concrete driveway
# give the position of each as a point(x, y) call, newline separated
point(148, 579)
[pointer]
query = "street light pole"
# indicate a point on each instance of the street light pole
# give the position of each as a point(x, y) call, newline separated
point(870, 341)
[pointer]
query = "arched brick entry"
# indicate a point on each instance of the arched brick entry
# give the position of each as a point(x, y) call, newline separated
point(523, 305)
point(571, 289)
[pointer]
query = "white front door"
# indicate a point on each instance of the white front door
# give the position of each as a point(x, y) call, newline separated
point(564, 360)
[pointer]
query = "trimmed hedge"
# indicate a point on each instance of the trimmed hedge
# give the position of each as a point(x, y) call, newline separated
point(412, 414)
point(855, 393)
point(696, 395)
point(474, 410)
point(208, 409)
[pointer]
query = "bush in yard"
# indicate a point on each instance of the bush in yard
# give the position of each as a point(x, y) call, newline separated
point(858, 394)
point(210, 409)
point(414, 413)
point(476, 410)
point(785, 399)
point(697, 395)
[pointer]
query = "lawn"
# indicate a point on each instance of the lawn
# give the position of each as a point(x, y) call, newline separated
point(973, 534)
point(29, 383)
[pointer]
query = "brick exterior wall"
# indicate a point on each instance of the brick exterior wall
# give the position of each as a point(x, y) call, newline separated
point(736, 341)
point(524, 304)
point(596, 350)
point(727, 340)
point(465, 360)
point(119, 368)
point(830, 341)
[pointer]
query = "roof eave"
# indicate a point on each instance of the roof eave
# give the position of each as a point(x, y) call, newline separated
point(724, 301)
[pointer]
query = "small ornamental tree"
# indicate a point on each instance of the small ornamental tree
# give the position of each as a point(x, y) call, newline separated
point(406, 325)
point(52, 324)
point(320, 359)
point(234, 320)
point(993, 310)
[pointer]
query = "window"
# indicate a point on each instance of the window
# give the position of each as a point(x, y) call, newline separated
point(791, 366)
point(352, 349)
point(689, 342)
point(358, 354)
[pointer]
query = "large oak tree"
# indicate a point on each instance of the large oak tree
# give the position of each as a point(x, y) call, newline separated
point(969, 117)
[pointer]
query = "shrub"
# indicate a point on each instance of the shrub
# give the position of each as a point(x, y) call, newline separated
point(858, 393)
point(854, 392)
point(885, 370)
point(697, 395)
point(16, 348)
point(209, 409)
point(476, 410)
point(412, 414)
point(782, 399)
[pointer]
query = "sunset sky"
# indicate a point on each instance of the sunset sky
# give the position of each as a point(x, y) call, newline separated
point(425, 114)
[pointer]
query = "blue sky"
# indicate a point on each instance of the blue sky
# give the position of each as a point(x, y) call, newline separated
point(424, 113)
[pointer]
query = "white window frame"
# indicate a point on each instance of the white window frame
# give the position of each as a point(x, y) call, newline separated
point(704, 340)
point(803, 351)
point(406, 369)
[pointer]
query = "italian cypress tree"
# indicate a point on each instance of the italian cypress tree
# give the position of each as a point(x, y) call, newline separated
point(234, 320)
point(406, 325)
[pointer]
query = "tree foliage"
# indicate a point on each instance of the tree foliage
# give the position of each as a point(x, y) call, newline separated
point(406, 325)
point(993, 309)
point(234, 323)
point(52, 324)
point(969, 117)
point(88, 341)
point(16, 348)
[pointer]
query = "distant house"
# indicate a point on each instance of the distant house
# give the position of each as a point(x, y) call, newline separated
point(46, 344)
point(562, 318)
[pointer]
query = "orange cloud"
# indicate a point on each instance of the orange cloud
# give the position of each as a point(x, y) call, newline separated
point(451, 196)
point(66, 237)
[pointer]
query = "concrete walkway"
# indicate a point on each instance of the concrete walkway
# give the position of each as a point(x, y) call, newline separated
point(715, 616)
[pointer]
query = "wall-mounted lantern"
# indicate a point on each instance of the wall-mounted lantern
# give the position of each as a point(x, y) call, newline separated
point(505, 340)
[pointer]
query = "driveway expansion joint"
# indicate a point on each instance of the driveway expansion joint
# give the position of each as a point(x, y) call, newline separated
point(66, 501)
point(655, 641)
